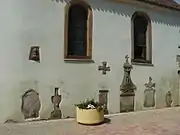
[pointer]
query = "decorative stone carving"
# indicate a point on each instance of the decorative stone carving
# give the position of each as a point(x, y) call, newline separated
point(168, 99)
point(149, 100)
point(56, 99)
point(104, 68)
point(30, 104)
point(103, 99)
point(127, 89)
point(34, 54)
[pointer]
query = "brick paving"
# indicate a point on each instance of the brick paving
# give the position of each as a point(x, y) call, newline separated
point(156, 122)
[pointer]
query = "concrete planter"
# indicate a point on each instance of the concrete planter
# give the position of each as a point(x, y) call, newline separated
point(89, 116)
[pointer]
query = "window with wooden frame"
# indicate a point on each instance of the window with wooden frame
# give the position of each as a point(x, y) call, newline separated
point(78, 30)
point(141, 38)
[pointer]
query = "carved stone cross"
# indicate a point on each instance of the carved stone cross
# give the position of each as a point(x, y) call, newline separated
point(150, 85)
point(104, 68)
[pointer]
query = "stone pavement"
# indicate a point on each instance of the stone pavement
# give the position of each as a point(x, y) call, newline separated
point(156, 122)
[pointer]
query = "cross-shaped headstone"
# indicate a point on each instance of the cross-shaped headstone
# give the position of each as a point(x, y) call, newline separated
point(104, 68)
point(56, 99)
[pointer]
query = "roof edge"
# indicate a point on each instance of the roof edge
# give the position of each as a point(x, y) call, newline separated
point(177, 8)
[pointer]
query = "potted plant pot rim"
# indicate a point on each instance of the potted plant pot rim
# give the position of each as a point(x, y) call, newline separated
point(89, 112)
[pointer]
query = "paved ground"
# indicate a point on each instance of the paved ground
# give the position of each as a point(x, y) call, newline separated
point(159, 122)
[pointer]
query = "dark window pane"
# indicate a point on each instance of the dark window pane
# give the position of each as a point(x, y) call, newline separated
point(77, 31)
point(140, 52)
point(140, 31)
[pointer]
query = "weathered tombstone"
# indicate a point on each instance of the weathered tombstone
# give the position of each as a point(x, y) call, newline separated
point(127, 89)
point(30, 104)
point(168, 99)
point(127, 103)
point(104, 68)
point(178, 59)
point(103, 94)
point(56, 99)
point(178, 63)
point(103, 99)
point(149, 93)
point(34, 54)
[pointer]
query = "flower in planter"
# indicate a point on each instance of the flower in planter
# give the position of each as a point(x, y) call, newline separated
point(90, 104)
point(89, 112)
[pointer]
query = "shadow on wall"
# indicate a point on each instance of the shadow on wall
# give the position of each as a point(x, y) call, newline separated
point(168, 82)
point(171, 84)
point(168, 18)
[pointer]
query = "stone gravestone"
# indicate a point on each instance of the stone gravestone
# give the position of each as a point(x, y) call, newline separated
point(178, 59)
point(149, 93)
point(168, 99)
point(178, 63)
point(56, 99)
point(103, 99)
point(127, 89)
point(126, 103)
point(30, 104)
point(103, 94)
point(34, 54)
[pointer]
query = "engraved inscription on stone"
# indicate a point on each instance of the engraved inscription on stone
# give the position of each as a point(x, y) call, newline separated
point(168, 99)
point(126, 103)
point(149, 94)
point(30, 104)
point(103, 99)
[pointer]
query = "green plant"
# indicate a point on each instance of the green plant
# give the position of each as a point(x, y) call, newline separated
point(90, 104)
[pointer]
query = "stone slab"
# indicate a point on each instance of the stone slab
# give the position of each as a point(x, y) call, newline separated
point(103, 99)
point(30, 104)
point(126, 103)
point(149, 98)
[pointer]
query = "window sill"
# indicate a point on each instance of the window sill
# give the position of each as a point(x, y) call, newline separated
point(145, 63)
point(68, 60)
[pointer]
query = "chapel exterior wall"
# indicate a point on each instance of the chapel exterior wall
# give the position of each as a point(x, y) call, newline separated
point(41, 23)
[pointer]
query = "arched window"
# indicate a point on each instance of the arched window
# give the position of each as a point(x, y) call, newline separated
point(78, 31)
point(141, 38)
